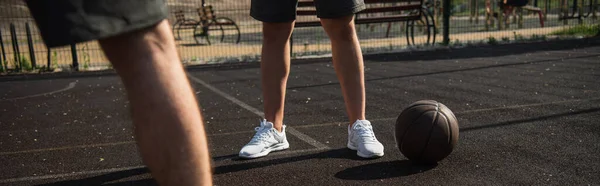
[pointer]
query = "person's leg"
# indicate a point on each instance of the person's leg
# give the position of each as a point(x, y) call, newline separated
point(137, 40)
point(338, 21)
point(275, 68)
point(168, 125)
point(348, 64)
point(278, 22)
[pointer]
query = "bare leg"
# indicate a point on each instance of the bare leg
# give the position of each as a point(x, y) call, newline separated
point(348, 63)
point(275, 68)
point(168, 125)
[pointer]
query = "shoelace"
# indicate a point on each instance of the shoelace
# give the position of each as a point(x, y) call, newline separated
point(366, 132)
point(261, 136)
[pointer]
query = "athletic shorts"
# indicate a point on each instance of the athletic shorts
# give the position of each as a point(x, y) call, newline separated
point(285, 10)
point(517, 3)
point(65, 22)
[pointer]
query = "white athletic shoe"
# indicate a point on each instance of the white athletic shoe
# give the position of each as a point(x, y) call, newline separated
point(266, 140)
point(362, 139)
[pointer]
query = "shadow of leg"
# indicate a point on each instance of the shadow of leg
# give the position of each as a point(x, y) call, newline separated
point(383, 170)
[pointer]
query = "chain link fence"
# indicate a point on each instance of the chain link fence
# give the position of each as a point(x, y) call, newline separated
point(222, 31)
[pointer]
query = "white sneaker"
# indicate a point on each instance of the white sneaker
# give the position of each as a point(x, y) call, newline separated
point(362, 139)
point(266, 140)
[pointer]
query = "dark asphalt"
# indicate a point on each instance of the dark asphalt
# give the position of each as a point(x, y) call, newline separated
point(528, 115)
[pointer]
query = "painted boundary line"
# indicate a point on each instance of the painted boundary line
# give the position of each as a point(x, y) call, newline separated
point(70, 86)
point(102, 144)
point(32, 178)
point(303, 126)
point(52, 176)
point(291, 130)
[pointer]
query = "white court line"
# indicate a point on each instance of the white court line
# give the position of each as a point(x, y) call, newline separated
point(32, 178)
point(70, 86)
point(571, 52)
point(467, 111)
point(101, 144)
point(291, 130)
point(526, 105)
point(53, 176)
point(303, 126)
point(68, 147)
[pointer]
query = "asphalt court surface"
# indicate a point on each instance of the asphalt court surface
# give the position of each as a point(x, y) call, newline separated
point(528, 115)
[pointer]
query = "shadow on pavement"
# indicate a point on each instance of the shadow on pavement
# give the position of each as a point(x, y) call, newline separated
point(379, 170)
point(343, 153)
point(383, 170)
point(105, 178)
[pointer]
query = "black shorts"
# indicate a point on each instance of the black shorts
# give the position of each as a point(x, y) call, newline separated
point(285, 10)
point(517, 3)
point(64, 22)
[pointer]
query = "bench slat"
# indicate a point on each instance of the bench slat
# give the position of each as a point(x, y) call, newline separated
point(370, 10)
point(307, 24)
point(531, 8)
point(386, 19)
point(393, 1)
point(306, 3)
point(306, 12)
point(383, 19)
point(312, 3)
point(391, 9)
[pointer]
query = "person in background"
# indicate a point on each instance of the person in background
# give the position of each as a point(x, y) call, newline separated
point(337, 18)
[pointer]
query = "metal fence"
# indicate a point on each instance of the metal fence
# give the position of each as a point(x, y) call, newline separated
point(238, 36)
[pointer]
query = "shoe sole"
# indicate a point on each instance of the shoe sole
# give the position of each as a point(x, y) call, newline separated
point(376, 155)
point(278, 147)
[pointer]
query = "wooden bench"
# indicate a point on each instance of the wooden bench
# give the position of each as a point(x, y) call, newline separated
point(503, 18)
point(207, 22)
point(536, 10)
point(381, 11)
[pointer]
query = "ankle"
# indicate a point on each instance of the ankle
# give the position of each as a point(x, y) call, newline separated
point(277, 126)
point(352, 122)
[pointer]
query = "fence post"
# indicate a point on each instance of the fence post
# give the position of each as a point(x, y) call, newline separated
point(15, 43)
point(565, 11)
point(580, 12)
point(546, 8)
point(49, 59)
point(593, 8)
point(3, 65)
point(446, 20)
point(476, 11)
point(31, 48)
point(75, 65)
point(471, 10)
point(520, 17)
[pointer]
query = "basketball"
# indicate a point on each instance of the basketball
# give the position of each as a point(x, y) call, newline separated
point(426, 131)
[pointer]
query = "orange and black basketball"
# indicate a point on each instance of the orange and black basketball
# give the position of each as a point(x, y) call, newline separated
point(426, 131)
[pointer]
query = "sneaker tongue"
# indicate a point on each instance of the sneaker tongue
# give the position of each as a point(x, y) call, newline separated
point(361, 124)
point(267, 125)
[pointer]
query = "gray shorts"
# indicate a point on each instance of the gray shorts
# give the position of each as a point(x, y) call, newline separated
point(285, 10)
point(64, 22)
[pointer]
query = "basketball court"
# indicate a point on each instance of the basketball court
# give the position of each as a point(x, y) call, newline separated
point(528, 115)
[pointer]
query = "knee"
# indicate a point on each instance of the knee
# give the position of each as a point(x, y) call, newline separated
point(339, 28)
point(277, 32)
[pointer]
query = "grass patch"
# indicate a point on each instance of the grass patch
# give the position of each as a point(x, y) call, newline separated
point(492, 40)
point(24, 63)
point(579, 30)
